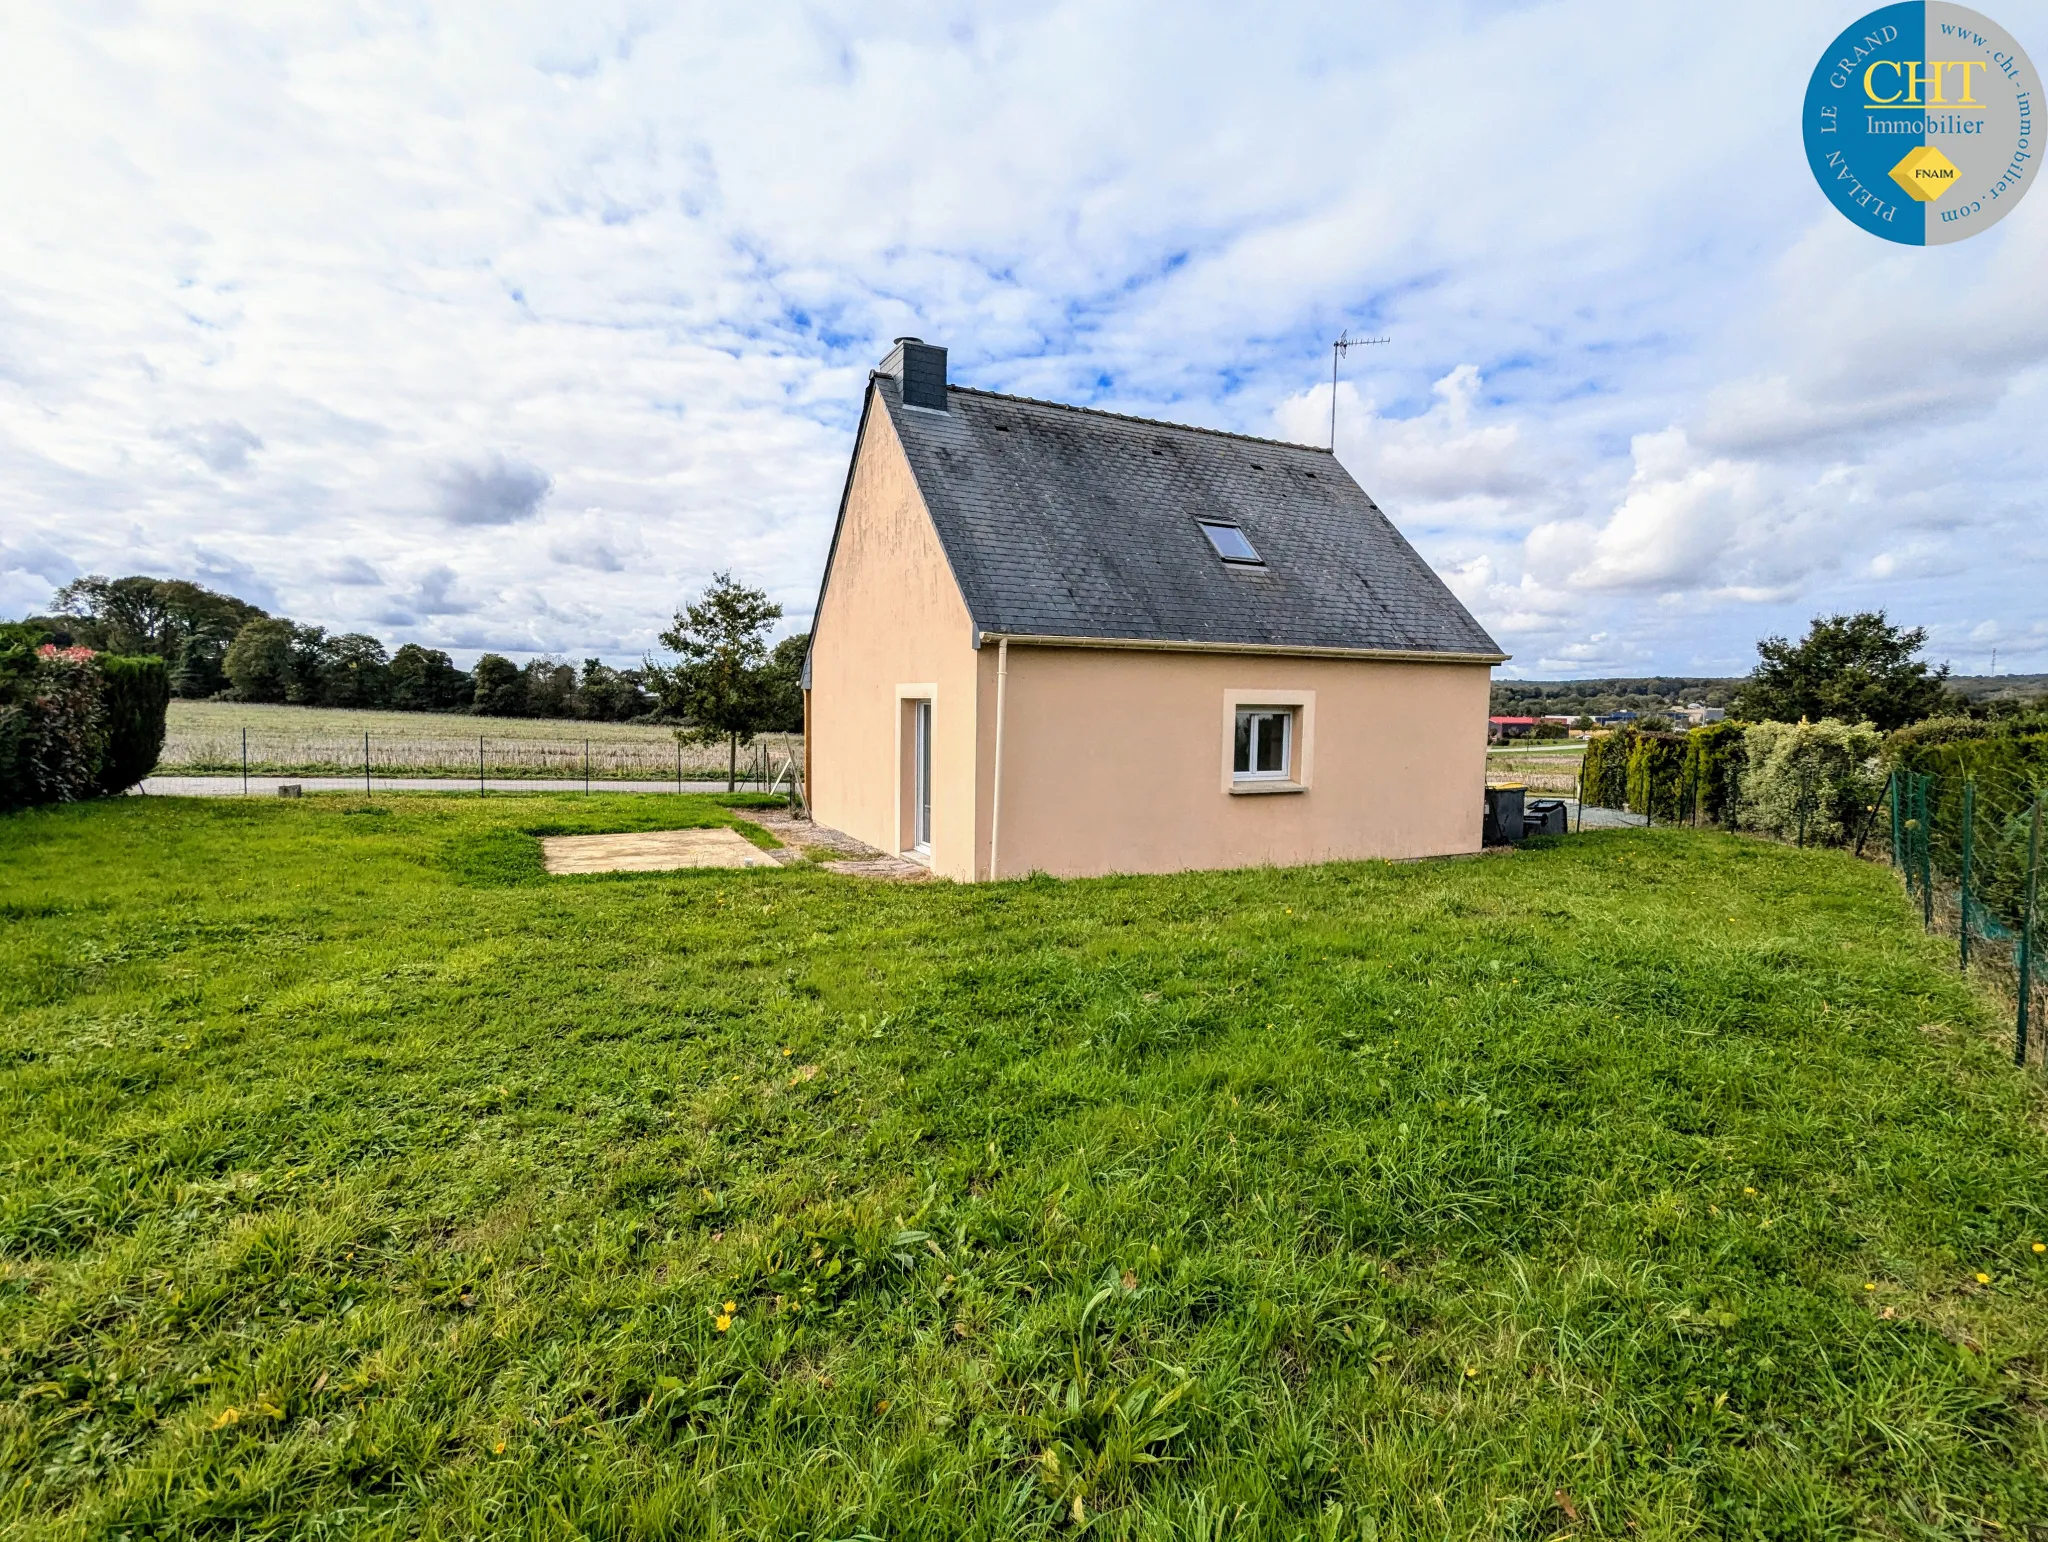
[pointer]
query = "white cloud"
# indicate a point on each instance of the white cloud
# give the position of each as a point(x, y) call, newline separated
point(542, 315)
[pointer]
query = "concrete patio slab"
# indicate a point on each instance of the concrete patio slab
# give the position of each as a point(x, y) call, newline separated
point(652, 851)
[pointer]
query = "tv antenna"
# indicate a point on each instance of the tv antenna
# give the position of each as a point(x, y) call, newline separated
point(1344, 344)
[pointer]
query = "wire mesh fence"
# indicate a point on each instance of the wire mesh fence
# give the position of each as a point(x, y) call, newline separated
point(1968, 848)
point(456, 757)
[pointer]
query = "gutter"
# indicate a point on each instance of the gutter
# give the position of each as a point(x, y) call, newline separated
point(1273, 650)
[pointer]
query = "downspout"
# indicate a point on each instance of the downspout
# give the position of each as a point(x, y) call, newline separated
point(995, 811)
point(804, 795)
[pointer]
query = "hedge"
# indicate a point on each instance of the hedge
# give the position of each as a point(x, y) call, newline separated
point(75, 724)
point(1811, 782)
point(138, 696)
point(1603, 774)
point(1656, 762)
point(2008, 762)
point(1715, 758)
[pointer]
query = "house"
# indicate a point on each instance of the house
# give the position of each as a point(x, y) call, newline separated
point(1500, 729)
point(1051, 639)
point(1698, 714)
point(1620, 718)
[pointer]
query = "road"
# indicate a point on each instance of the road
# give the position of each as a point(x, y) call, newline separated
point(266, 786)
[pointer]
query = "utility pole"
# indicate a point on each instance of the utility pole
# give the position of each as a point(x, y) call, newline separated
point(1344, 344)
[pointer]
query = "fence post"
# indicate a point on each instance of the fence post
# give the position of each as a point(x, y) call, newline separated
point(2026, 960)
point(1926, 855)
point(479, 765)
point(586, 765)
point(1963, 897)
point(679, 765)
point(1893, 789)
point(1582, 791)
point(245, 762)
point(366, 762)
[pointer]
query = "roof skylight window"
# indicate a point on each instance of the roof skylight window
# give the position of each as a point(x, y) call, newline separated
point(1231, 543)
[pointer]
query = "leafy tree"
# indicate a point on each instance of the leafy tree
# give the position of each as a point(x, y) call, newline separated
point(609, 695)
point(717, 685)
point(262, 661)
point(1856, 669)
point(550, 688)
point(355, 672)
point(187, 625)
point(500, 688)
point(426, 680)
point(312, 656)
point(782, 678)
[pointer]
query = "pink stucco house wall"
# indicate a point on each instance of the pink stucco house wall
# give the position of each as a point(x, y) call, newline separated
point(1057, 640)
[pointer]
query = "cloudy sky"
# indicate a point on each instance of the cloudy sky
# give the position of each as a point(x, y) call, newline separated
point(504, 326)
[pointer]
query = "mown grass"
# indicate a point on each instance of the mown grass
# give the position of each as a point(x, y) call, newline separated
point(361, 1181)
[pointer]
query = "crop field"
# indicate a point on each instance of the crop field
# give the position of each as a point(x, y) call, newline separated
point(1547, 768)
point(364, 1181)
point(206, 737)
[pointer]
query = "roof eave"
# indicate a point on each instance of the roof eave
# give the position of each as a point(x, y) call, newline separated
point(1283, 650)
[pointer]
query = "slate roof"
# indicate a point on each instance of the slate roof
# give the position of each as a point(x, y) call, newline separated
point(1069, 522)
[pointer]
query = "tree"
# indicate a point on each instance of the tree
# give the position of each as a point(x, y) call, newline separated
point(609, 695)
point(782, 677)
point(500, 687)
point(261, 660)
point(717, 685)
point(312, 659)
point(356, 673)
point(187, 625)
point(426, 680)
point(1858, 669)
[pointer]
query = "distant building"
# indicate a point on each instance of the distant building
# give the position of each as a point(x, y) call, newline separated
point(1699, 714)
point(1501, 729)
point(1620, 718)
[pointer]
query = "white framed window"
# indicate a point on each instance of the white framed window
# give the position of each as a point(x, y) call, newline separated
point(1269, 738)
point(1262, 745)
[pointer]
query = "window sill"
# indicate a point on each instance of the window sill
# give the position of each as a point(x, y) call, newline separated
point(1252, 789)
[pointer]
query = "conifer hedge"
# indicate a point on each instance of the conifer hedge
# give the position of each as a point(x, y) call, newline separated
point(73, 723)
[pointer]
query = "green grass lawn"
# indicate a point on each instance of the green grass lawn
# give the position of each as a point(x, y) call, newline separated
point(358, 1180)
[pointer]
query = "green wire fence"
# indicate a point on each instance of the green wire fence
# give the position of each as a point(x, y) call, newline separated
point(1968, 846)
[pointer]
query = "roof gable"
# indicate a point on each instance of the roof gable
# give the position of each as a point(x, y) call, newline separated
point(1067, 522)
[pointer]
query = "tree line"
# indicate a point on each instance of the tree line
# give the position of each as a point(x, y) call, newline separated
point(1860, 668)
point(726, 681)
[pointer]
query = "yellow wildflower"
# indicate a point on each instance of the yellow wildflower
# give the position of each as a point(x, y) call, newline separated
point(1983, 1279)
point(1471, 1370)
point(498, 1449)
point(1748, 1190)
point(721, 1322)
point(1867, 1285)
point(730, 1309)
point(2041, 1247)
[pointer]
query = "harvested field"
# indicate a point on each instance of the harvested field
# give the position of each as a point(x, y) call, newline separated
point(205, 737)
